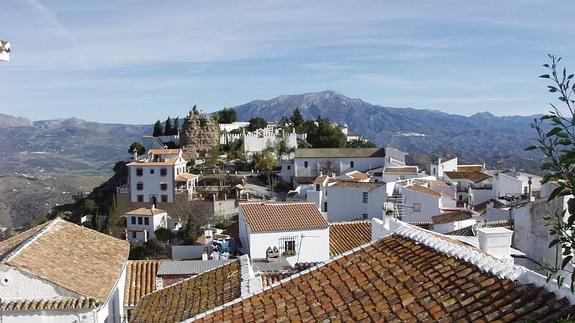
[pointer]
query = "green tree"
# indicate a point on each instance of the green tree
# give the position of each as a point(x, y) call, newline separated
point(297, 119)
point(164, 235)
point(556, 140)
point(176, 126)
point(158, 130)
point(89, 206)
point(325, 135)
point(264, 161)
point(138, 147)
point(226, 115)
point(357, 143)
point(257, 123)
point(168, 126)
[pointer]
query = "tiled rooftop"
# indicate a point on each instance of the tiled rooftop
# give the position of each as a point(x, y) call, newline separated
point(451, 217)
point(8, 245)
point(159, 151)
point(469, 168)
point(263, 216)
point(140, 280)
point(400, 170)
point(470, 232)
point(79, 259)
point(469, 175)
point(423, 225)
point(396, 279)
point(47, 304)
point(146, 212)
point(319, 179)
point(358, 176)
point(344, 236)
point(424, 190)
point(192, 296)
point(362, 185)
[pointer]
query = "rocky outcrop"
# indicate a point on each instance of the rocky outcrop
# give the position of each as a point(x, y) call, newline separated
point(199, 135)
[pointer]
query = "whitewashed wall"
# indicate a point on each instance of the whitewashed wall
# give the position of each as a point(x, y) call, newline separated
point(430, 206)
point(346, 203)
point(505, 184)
point(340, 165)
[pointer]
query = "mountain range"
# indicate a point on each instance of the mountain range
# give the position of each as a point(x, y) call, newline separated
point(43, 162)
point(425, 134)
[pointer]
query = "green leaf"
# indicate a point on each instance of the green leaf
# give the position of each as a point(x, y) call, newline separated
point(566, 261)
point(545, 76)
point(553, 132)
point(570, 76)
point(554, 242)
point(531, 148)
point(555, 193)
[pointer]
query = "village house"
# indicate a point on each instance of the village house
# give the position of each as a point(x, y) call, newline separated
point(308, 163)
point(142, 223)
point(424, 202)
point(296, 231)
point(159, 177)
point(451, 221)
point(350, 200)
point(62, 272)
point(478, 183)
point(261, 139)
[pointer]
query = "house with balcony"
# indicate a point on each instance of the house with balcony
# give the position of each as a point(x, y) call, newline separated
point(295, 231)
point(142, 223)
point(159, 176)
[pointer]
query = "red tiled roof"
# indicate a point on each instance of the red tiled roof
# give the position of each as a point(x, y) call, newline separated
point(48, 304)
point(424, 190)
point(400, 170)
point(319, 179)
point(470, 232)
point(354, 184)
point(282, 216)
point(472, 176)
point(146, 212)
point(359, 176)
point(344, 236)
point(191, 296)
point(158, 151)
point(140, 280)
point(396, 279)
point(423, 225)
point(469, 168)
point(451, 217)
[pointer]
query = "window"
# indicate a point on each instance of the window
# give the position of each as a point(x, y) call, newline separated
point(305, 164)
point(134, 235)
point(139, 172)
point(152, 171)
point(351, 164)
point(364, 197)
point(416, 207)
point(147, 221)
point(140, 198)
point(163, 171)
point(288, 167)
point(164, 198)
point(325, 206)
point(317, 187)
point(364, 216)
point(140, 220)
point(460, 197)
point(288, 246)
point(163, 186)
point(140, 186)
point(133, 219)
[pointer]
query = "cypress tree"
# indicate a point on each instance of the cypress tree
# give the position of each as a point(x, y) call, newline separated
point(168, 127)
point(158, 130)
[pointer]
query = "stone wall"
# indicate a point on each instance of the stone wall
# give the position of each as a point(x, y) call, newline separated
point(198, 136)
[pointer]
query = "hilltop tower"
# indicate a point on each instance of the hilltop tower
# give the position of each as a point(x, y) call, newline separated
point(199, 135)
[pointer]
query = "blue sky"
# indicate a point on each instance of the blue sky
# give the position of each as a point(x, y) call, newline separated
point(136, 61)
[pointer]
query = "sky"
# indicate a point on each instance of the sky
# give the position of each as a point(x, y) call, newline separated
point(130, 61)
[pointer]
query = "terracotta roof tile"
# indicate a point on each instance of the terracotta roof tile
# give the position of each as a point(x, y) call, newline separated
point(191, 296)
point(158, 151)
point(423, 225)
point(470, 232)
point(140, 280)
point(47, 304)
point(424, 189)
point(167, 162)
point(319, 179)
point(358, 176)
point(74, 257)
point(344, 236)
point(282, 216)
point(354, 184)
point(8, 245)
point(395, 279)
point(472, 176)
point(469, 168)
point(183, 177)
point(451, 217)
point(400, 170)
point(146, 211)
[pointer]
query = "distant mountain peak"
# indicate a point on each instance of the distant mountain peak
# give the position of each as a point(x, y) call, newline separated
point(484, 115)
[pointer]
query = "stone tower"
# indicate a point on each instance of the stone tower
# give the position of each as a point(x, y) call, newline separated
point(199, 135)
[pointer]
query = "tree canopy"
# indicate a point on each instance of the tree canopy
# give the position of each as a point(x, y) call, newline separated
point(358, 143)
point(257, 123)
point(324, 135)
point(138, 147)
point(297, 119)
point(158, 129)
point(168, 126)
point(226, 115)
point(264, 161)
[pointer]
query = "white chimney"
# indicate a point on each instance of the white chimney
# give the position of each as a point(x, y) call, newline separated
point(495, 241)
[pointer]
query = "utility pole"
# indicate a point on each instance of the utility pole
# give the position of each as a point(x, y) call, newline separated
point(5, 50)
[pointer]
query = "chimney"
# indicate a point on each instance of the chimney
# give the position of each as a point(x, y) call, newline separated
point(135, 152)
point(529, 182)
point(495, 241)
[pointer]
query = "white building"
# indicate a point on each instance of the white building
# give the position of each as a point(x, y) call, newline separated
point(159, 177)
point(397, 173)
point(297, 230)
point(451, 221)
point(143, 222)
point(62, 272)
point(425, 202)
point(477, 184)
point(349, 200)
point(229, 127)
point(308, 163)
point(261, 139)
point(4, 50)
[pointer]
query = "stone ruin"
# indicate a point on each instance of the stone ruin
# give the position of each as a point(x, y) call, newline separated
point(199, 135)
